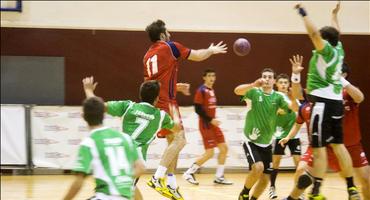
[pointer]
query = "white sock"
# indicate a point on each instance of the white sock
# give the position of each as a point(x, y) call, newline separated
point(220, 171)
point(171, 181)
point(194, 167)
point(161, 171)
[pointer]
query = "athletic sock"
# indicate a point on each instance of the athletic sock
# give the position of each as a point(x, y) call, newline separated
point(220, 171)
point(316, 186)
point(245, 190)
point(253, 198)
point(349, 181)
point(161, 171)
point(171, 180)
point(273, 177)
point(290, 198)
point(194, 167)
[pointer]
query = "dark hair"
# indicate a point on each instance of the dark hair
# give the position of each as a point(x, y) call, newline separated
point(93, 110)
point(149, 91)
point(155, 29)
point(282, 76)
point(330, 34)
point(208, 71)
point(346, 68)
point(267, 69)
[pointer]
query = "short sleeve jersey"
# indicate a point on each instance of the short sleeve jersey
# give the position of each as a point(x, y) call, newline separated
point(140, 120)
point(161, 62)
point(285, 121)
point(111, 156)
point(323, 78)
point(206, 97)
point(261, 115)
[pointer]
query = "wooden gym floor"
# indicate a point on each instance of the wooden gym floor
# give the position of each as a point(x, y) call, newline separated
point(50, 187)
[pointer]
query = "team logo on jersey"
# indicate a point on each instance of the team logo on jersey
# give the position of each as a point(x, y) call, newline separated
point(211, 93)
point(255, 134)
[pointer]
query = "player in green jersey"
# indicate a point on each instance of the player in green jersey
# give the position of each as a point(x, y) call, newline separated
point(325, 92)
point(260, 124)
point(141, 120)
point(111, 155)
point(284, 124)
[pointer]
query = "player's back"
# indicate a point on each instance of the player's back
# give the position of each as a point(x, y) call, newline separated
point(112, 157)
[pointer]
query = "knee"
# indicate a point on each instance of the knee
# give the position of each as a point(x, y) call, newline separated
point(180, 140)
point(209, 153)
point(258, 167)
point(304, 181)
point(224, 149)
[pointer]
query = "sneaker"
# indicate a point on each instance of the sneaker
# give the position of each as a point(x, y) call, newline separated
point(301, 197)
point(316, 197)
point(175, 193)
point(243, 196)
point(159, 185)
point(353, 194)
point(221, 180)
point(272, 193)
point(190, 178)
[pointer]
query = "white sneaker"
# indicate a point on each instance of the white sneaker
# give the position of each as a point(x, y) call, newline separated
point(190, 178)
point(272, 193)
point(222, 181)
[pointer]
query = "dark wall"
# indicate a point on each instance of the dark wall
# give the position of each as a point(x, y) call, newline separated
point(114, 58)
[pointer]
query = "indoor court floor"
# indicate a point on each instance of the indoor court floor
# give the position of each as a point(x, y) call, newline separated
point(50, 187)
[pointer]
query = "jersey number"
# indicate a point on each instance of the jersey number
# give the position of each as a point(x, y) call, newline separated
point(152, 66)
point(117, 159)
point(143, 123)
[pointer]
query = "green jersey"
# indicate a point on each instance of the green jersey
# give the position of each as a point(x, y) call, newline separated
point(111, 156)
point(141, 121)
point(285, 121)
point(323, 79)
point(260, 122)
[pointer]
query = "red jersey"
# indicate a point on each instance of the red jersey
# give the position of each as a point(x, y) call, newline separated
point(351, 122)
point(161, 63)
point(206, 97)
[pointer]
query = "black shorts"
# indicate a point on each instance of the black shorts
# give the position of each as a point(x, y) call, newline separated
point(293, 144)
point(256, 153)
point(326, 121)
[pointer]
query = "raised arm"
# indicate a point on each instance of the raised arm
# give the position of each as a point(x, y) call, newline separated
point(312, 31)
point(203, 54)
point(89, 86)
point(297, 68)
point(242, 89)
point(334, 16)
point(353, 91)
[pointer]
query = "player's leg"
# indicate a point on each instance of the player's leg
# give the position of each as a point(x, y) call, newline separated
point(138, 195)
point(221, 159)
point(256, 169)
point(278, 152)
point(260, 186)
point(295, 150)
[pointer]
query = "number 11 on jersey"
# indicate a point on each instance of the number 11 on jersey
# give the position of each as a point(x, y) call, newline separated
point(152, 65)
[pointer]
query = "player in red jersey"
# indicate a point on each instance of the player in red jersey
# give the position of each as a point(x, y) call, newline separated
point(161, 62)
point(352, 139)
point(205, 104)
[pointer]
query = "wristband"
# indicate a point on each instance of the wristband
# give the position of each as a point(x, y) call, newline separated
point(344, 82)
point(302, 12)
point(296, 78)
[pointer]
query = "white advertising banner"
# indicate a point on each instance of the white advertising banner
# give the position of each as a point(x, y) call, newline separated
point(13, 135)
point(57, 132)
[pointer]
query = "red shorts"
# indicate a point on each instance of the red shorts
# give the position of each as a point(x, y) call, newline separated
point(356, 152)
point(212, 135)
point(166, 107)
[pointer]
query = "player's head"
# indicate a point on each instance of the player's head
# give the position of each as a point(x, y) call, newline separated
point(330, 34)
point(346, 70)
point(268, 75)
point(93, 111)
point(282, 83)
point(149, 91)
point(157, 31)
point(209, 76)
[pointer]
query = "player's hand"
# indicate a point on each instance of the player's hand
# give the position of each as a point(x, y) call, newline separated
point(296, 62)
point(183, 88)
point(259, 82)
point(215, 122)
point(218, 48)
point(283, 141)
point(336, 9)
point(88, 83)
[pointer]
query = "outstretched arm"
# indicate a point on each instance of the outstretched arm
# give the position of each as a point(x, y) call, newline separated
point(334, 16)
point(293, 132)
point(89, 87)
point(312, 31)
point(353, 91)
point(203, 54)
point(297, 68)
point(242, 89)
